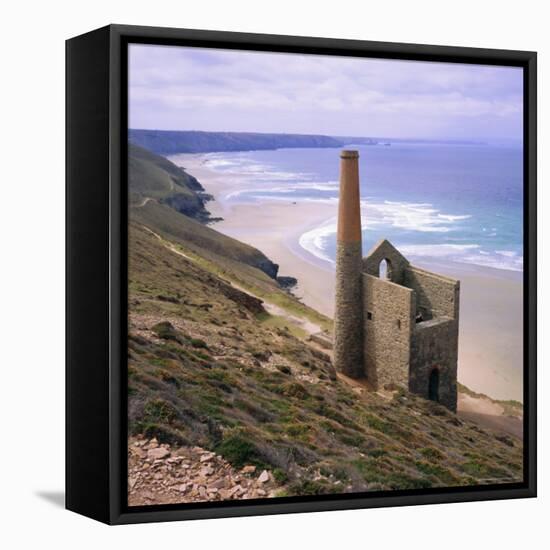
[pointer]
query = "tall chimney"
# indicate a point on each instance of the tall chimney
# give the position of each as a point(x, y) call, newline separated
point(348, 318)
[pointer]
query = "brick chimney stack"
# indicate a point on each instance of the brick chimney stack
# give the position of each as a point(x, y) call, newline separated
point(348, 318)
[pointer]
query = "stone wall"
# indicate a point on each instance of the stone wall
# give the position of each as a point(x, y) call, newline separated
point(388, 321)
point(434, 345)
point(384, 250)
point(348, 318)
point(436, 295)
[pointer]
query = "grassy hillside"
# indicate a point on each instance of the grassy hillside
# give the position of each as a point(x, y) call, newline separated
point(171, 202)
point(170, 142)
point(186, 231)
point(210, 367)
point(154, 177)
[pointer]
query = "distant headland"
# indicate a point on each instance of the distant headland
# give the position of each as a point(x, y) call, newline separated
point(171, 142)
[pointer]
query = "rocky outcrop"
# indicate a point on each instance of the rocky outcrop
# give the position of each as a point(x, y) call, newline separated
point(190, 205)
point(148, 175)
point(249, 302)
point(287, 282)
point(266, 265)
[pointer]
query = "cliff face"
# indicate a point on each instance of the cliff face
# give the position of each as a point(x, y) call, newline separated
point(172, 203)
point(209, 367)
point(172, 142)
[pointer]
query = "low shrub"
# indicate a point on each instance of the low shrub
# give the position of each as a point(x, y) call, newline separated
point(239, 451)
point(284, 369)
point(198, 343)
point(310, 487)
point(159, 410)
point(166, 331)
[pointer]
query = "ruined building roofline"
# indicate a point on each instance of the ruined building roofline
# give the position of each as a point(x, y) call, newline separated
point(416, 269)
point(445, 278)
point(384, 243)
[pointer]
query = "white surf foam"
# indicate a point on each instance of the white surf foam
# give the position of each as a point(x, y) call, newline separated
point(437, 250)
point(315, 240)
point(423, 217)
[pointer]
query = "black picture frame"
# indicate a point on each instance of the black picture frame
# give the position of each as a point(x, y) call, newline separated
point(96, 271)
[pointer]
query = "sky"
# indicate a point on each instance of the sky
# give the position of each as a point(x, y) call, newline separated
point(180, 88)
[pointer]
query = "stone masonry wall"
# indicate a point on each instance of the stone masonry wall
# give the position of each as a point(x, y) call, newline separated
point(434, 293)
point(435, 345)
point(348, 318)
point(384, 250)
point(388, 316)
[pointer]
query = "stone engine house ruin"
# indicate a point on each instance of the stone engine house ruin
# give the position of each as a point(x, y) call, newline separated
point(395, 324)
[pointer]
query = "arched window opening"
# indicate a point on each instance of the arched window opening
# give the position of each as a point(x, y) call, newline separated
point(433, 385)
point(384, 269)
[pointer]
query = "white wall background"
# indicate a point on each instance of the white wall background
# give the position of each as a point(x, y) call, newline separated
point(32, 274)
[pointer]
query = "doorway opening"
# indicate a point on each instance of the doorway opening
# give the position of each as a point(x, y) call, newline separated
point(433, 385)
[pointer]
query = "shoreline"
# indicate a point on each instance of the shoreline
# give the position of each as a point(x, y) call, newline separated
point(490, 341)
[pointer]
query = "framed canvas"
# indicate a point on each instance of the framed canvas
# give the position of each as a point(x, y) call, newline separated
point(301, 274)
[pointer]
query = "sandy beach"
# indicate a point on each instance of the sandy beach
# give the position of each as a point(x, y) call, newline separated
point(491, 329)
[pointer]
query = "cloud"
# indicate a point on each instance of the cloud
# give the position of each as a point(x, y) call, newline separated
point(192, 88)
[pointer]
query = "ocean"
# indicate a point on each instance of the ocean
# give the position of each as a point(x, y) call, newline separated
point(443, 202)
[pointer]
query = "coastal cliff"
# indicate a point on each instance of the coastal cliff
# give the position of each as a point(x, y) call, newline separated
point(167, 142)
point(167, 199)
point(223, 369)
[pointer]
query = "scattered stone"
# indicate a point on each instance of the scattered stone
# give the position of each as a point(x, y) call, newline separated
point(235, 490)
point(138, 451)
point(207, 457)
point(158, 453)
point(220, 483)
point(160, 474)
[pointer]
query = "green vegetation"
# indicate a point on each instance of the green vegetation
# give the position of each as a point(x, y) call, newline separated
point(228, 259)
point(511, 407)
point(166, 331)
point(209, 366)
point(156, 178)
point(239, 450)
point(205, 369)
point(171, 204)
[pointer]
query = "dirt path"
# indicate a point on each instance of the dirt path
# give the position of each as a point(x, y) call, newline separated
point(481, 411)
point(303, 323)
point(143, 202)
point(273, 309)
